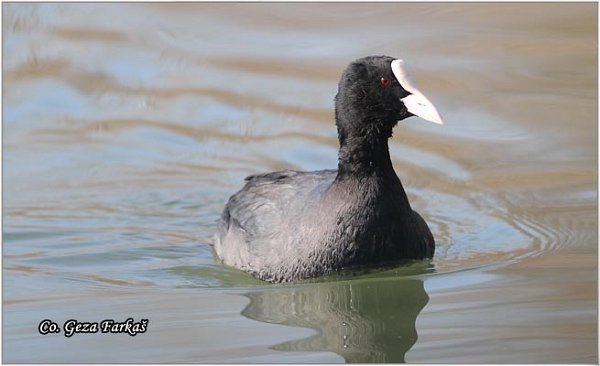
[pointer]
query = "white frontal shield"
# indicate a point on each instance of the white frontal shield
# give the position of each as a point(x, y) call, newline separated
point(416, 103)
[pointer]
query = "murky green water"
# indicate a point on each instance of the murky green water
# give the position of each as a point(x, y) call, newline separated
point(127, 126)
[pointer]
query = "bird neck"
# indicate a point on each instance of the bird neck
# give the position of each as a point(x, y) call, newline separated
point(364, 159)
point(366, 169)
point(363, 143)
point(361, 156)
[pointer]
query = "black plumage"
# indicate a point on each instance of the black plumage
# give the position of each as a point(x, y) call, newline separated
point(291, 225)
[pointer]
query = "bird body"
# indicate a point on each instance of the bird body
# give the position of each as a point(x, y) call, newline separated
point(291, 225)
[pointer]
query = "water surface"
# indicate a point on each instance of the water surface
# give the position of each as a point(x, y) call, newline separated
point(127, 126)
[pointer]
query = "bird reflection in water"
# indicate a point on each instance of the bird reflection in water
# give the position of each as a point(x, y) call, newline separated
point(363, 320)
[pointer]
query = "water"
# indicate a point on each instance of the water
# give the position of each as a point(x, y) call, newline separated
point(127, 126)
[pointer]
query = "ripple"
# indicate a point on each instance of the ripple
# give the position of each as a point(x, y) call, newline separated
point(128, 126)
point(90, 34)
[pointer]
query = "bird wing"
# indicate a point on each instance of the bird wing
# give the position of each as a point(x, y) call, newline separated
point(260, 221)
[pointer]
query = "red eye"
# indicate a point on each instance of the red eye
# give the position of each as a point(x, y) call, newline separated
point(384, 81)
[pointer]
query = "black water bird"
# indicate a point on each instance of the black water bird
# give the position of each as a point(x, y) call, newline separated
point(291, 225)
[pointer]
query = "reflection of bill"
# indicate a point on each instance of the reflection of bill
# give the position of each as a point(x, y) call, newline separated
point(369, 320)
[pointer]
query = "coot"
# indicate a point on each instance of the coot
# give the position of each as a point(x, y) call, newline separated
point(291, 225)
